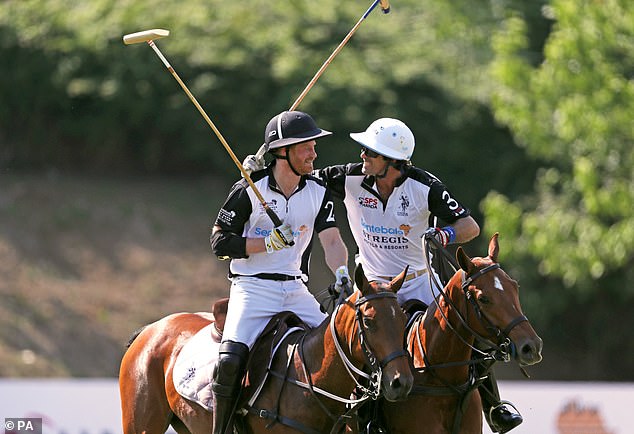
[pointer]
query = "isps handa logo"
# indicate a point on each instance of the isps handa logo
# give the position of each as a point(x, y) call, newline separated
point(368, 202)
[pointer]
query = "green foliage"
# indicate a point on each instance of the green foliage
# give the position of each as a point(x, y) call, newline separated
point(529, 104)
point(573, 112)
point(77, 98)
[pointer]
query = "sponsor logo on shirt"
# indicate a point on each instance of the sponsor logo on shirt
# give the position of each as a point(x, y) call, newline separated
point(226, 216)
point(404, 205)
point(380, 229)
point(262, 232)
point(385, 237)
point(368, 202)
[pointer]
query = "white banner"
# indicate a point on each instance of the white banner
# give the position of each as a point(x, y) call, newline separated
point(88, 406)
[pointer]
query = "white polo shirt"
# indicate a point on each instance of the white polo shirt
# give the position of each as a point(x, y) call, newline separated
point(388, 234)
point(309, 209)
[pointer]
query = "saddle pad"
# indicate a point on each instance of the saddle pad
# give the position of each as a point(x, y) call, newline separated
point(194, 368)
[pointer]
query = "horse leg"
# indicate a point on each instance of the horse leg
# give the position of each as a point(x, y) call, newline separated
point(187, 416)
point(472, 417)
point(144, 406)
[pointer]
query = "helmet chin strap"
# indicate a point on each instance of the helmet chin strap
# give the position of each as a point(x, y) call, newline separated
point(285, 157)
point(390, 163)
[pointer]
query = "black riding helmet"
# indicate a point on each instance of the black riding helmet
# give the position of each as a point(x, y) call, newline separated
point(290, 128)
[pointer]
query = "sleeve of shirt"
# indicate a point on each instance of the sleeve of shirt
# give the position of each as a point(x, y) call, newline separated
point(335, 179)
point(443, 205)
point(326, 216)
point(228, 242)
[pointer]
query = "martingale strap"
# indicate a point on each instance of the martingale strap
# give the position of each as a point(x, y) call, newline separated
point(275, 417)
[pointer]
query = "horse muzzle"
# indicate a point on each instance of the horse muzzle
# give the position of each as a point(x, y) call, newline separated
point(529, 351)
point(396, 385)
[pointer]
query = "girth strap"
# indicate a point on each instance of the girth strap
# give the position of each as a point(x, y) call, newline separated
point(274, 418)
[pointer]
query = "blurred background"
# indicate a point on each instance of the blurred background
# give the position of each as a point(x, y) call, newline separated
point(110, 179)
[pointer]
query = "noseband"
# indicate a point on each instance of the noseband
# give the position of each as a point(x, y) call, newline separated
point(369, 355)
point(372, 390)
point(507, 348)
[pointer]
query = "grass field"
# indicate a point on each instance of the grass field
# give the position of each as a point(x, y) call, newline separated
point(84, 262)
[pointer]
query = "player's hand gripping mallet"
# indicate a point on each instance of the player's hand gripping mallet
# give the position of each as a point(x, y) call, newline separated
point(149, 36)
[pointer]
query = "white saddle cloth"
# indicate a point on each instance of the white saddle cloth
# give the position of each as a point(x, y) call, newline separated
point(194, 368)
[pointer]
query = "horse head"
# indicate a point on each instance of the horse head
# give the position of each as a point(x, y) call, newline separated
point(493, 300)
point(380, 325)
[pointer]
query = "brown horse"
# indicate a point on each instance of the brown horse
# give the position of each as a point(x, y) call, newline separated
point(479, 303)
point(306, 387)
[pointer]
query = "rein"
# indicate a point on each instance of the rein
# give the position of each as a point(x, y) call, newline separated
point(499, 351)
point(372, 391)
point(374, 378)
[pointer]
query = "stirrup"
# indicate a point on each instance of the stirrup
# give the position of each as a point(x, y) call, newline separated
point(501, 405)
point(374, 428)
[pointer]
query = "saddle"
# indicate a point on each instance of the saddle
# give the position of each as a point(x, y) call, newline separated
point(410, 307)
point(264, 347)
point(219, 309)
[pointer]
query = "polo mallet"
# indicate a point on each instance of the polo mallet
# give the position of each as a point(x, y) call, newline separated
point(385, 8)
point(149, 36)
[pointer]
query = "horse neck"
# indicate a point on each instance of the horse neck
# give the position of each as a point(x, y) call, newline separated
point(444, 338)
point(321, 357)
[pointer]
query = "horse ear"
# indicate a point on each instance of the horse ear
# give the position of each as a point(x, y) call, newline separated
point(464, 260)
point(494, 247)
point(359, 278)
point(397, 282)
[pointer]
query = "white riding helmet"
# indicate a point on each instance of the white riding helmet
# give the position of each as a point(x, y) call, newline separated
point(388, 137)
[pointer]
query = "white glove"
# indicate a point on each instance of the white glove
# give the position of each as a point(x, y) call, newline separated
point(343, 280)
point(253, 163)
point(280, 237)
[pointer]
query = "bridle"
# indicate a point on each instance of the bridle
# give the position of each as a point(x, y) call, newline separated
point(372, 389)
point(503, 349)
point(506, 348)
point(369, 391)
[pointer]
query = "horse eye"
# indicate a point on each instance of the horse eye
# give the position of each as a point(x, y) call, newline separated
point(369, 323)
point(484, 299)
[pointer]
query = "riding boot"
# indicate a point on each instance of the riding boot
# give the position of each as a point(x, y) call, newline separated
point(226, 384)
point(497, 413)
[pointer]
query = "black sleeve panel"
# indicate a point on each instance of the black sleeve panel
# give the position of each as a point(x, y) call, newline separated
point(335, 178)
point(227, 240)
point(443, 205)
point(326, 216)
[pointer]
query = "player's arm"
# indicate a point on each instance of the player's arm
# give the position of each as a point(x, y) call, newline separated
point(461, 227)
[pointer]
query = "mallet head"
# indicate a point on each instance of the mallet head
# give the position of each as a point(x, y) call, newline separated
point(145, 36)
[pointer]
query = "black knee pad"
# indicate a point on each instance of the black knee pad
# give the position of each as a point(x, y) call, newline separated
point(229, 370)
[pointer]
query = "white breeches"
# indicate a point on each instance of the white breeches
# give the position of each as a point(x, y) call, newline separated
point(253, 302)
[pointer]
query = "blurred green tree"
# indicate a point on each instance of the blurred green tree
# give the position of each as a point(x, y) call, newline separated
point(572, 113)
